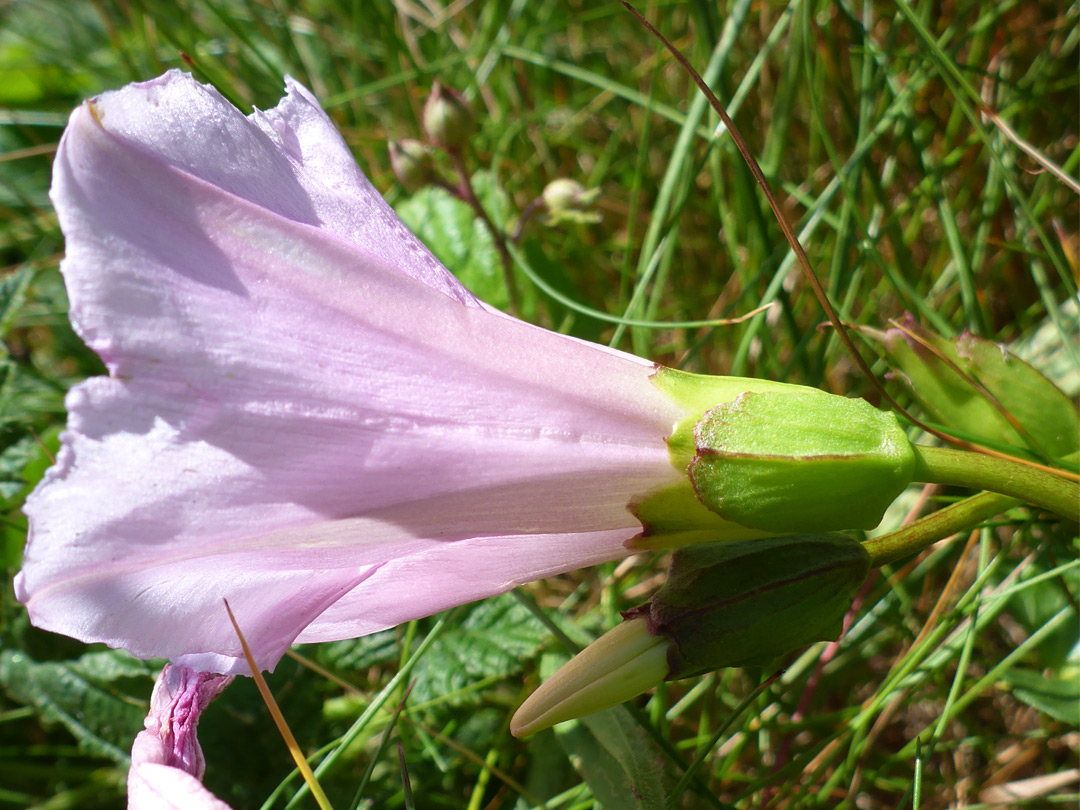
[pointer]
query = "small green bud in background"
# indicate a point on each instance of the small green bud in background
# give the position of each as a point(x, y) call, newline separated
point(447, 119)
point(410, 161)
point(568, 201)
point(802, 461)
point(746, 603)
point(737, 603)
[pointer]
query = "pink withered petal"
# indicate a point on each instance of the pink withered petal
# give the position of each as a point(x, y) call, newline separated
point(305, 413)
point(167, 762)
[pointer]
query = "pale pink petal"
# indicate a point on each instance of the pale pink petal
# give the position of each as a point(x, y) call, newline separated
point(303, 415)
point(449, 574)
point(167, 762)
point(157, 787)
point(289, 160)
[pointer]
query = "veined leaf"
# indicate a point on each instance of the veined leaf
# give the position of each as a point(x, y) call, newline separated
point(494, 641)
point(101, 697)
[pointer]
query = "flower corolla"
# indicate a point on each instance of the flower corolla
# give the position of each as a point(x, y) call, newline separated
point(305, 413)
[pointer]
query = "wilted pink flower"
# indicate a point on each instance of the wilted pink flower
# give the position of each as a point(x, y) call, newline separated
point(166, 761)
point(305, 413)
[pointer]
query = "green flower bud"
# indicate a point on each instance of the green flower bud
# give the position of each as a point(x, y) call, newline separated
point(568, 201)
point(675, 516)
point(801, 461)
point(447, 118)
point(746, 603)
point(619, 665)
point(411, 163)
point(738, 603)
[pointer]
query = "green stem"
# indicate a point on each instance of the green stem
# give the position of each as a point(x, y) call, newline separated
point(939, 465)
point(923, 533)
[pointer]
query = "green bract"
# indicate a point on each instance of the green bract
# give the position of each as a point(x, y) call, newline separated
point(746, 603)
point(765, 458)
point(809, 461)
point(674, 516)
point(977, 386)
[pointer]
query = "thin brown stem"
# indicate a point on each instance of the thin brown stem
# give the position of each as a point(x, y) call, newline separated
point(467, 193)
point(526, 214)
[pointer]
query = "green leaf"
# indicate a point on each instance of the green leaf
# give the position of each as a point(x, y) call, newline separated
point(23, 460)
point(623, 767)
point(493, 641)
point(357, 654)
point(33, 458)
point(12, 461)
point(13, 289)
point(101, 697)
point(1036, 605)
point(1057, 695)
point(450, 228)
point(27, 396)
point(935, 369)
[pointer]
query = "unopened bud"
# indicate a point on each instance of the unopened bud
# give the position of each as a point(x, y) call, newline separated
point(806, 461)
point(736, 603)
point(747, 603)
point(411, 163)
point(447, 118)
point(568, 201)
point(619, 665)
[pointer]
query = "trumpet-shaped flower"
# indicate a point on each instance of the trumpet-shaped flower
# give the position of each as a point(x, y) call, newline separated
point(305, 413)
point(308, 416)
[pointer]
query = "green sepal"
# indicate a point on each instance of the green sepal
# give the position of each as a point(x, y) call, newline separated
point(747, 603)
point(933, 368)
point(805, 461)
point(673, 516)
point(698, 393)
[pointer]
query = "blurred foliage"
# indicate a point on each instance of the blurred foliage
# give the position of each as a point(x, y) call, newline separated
point(868, 122)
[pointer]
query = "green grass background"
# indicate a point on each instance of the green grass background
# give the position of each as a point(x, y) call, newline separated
point(960, 671)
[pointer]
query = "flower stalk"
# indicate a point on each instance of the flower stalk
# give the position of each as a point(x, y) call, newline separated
point(923, 533)
point(938, 465)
